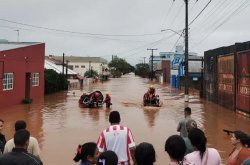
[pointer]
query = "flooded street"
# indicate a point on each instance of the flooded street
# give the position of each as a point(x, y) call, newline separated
point(60, 124)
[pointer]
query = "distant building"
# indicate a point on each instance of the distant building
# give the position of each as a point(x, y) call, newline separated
point(176, 59)
point(82, 64)
point(50, 65)
point(157, 59)
point(21, 71)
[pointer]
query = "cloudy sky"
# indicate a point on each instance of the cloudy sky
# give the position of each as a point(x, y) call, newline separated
point(126, 28)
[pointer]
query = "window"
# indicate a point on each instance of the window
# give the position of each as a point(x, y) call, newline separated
point(76, 66)
point(70, 67)
point(8, 81)
point(82, 66)
point(35, 79)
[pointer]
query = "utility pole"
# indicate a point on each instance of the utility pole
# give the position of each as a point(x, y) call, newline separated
point(186, 54)
point(66, 79)
point(17, 35)
point(143, 60)
point(63, 65)
point(152, 59)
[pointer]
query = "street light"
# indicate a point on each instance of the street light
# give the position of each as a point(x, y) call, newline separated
point(180, 34)
point(186, 98)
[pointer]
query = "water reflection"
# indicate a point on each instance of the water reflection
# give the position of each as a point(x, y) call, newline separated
point(60, 124)
point(151, 113)
point(30, 113)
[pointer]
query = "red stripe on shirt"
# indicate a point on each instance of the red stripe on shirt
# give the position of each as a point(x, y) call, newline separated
point(128, 142)
point(102, 144)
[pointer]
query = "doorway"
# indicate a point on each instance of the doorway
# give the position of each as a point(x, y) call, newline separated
point(27, 85)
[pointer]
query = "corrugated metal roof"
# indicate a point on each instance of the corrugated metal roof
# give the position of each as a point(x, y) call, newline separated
point(81, 59)
point(57, 68)
point(14, 45)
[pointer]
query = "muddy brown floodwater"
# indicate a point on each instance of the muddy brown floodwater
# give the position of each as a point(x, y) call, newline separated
point(60, 124)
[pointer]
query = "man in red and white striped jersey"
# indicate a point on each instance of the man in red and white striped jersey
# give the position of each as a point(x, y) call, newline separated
point(117, 138)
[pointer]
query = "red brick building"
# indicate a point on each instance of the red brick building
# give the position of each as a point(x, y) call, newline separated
point(21, 72)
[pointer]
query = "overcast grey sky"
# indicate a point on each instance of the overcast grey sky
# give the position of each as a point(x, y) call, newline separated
point(123, 27)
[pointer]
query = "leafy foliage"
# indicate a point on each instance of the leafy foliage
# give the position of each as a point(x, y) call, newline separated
point(142, 70)
point(119, 66)
point(91, 73)
point(53, 81)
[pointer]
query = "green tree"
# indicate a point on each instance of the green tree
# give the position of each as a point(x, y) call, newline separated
point(53, 81)
point(142, 70)
point(91, 73)
point(119, 66)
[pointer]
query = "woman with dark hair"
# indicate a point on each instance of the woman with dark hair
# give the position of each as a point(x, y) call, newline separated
point(241, 143)
point(176, 148)
point(87, 153)
point(145, 154)
point(201, 154)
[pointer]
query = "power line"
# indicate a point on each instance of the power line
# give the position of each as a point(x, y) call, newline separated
point(73, 32)
point(200, 13)
point(237, 11)
point(215, 19)
point(143, 47)
point(182, 20)
point(146, 45)
point(210, 13)
point(166, 16)
point(62, 33)
point(180, 9)
point(152, 60)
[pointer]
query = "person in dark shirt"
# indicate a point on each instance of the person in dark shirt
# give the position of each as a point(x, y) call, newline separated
point(19, 154)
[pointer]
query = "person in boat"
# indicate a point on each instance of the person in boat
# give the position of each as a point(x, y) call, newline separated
point(152, 91)
point(152, 97)
point(94, 99)
point(107, 100)
point(146, 98)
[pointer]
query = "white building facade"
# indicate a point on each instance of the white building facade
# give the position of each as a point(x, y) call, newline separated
point(83, 64)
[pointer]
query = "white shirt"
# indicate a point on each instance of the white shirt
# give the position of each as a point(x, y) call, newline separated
point(33, 146)
point(211, 156)
point(118, 139)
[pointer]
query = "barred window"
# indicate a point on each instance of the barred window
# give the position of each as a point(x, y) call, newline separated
point(35, 79)
point(8, 79)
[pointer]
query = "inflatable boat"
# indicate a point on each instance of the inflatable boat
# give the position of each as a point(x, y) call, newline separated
point(92, 100)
